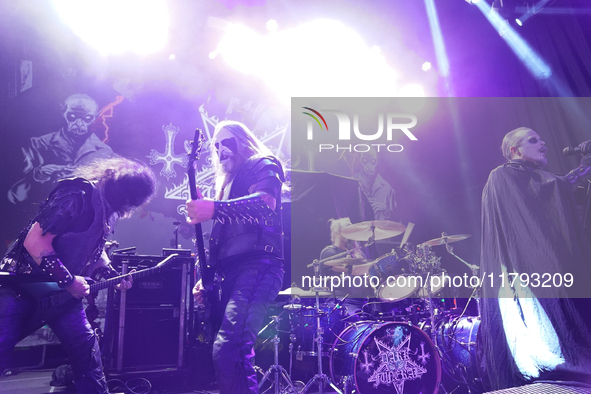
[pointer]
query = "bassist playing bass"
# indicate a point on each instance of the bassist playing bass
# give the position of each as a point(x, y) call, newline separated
point(68, 234)
point(246, 247)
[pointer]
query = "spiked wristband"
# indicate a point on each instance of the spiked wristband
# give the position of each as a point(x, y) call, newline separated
point(251, 208)
point(53, 266)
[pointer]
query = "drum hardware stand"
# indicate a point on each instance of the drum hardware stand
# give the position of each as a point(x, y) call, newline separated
point(277, 369)
point(473, 268)
point(347, 381)
point(320, 378)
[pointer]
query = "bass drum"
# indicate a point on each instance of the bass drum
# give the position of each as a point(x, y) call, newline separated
point(457, 338)
point(374, 357)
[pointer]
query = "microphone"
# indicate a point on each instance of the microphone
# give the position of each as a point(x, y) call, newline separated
point(584, 148)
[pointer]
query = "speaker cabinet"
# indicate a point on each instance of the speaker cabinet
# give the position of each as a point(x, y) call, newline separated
point(147, 324)
point(151, 338)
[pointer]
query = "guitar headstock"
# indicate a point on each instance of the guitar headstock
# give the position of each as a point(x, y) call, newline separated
point(196, 146)
point(166, 260)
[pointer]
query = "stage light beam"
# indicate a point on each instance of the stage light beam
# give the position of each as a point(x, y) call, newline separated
point(438, 43)
point(117, 26)
point(534, 62)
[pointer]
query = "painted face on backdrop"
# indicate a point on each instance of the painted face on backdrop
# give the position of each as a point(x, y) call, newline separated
point(81, 111)
point(369, 161)
point(226, 147)
point(530, 148)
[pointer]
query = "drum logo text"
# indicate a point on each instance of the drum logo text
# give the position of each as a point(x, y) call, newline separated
point(395, 362)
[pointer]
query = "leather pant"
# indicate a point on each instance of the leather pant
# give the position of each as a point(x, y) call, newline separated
point(72, 329)
point(247, 289)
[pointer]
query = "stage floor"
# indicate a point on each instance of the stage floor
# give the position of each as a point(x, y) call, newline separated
point(37, 382)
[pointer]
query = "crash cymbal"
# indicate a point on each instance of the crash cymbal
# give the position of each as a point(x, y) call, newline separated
point(346, 261)
point(382, 229)
point(355, 269)
point(298, 291)
point(446, 239)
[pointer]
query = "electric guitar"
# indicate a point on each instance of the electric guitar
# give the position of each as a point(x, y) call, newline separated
point(207, 272)
point(49, 301)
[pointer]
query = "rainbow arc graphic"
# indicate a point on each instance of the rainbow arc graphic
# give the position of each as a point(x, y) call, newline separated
point(315, 118)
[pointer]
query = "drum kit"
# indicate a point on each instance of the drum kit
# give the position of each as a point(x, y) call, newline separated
point(404, 347)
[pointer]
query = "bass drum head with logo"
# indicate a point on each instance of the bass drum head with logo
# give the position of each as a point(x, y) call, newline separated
point(391, 357)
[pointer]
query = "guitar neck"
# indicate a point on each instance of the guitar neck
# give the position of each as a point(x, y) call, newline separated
point(109, 283)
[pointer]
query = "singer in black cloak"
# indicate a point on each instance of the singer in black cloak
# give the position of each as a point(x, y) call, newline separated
point(535, 329)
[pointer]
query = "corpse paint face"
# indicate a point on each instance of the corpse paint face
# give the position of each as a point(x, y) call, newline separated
point(80, 112)
point(531, 148)
point(226, 148)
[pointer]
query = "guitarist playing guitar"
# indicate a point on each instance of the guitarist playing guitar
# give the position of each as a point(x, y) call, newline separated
point(246, 247)
point(69, 233)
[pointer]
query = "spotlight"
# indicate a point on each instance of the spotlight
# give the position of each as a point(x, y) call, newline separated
point(531, 11)
point(272, 25)
point(426, 66)
point(142, 25)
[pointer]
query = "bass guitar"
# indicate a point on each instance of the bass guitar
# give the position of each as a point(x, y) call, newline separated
point(207, 272)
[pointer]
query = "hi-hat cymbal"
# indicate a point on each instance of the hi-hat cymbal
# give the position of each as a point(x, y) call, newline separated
point(447, 239)
point(298, 291)
point(381, 229)
point(346, 261)
point(355, 269)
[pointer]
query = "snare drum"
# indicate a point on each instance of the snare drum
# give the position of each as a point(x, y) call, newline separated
point(374, 357)
point(396, 288)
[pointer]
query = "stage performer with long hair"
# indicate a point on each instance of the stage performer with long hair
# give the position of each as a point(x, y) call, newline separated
point(60, 243)
point(246, 247)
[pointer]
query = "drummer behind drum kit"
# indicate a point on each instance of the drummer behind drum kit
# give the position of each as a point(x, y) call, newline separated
point(394, 353)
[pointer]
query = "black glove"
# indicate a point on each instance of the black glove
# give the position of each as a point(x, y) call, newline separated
point(586, 160)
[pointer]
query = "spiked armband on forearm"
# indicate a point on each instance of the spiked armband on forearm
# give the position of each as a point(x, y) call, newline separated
point(53, 266)
point(251, 208)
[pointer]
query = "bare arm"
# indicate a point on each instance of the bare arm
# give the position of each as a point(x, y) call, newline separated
point(39, 246)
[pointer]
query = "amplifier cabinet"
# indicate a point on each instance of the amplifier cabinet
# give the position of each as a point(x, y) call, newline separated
point(147, 324)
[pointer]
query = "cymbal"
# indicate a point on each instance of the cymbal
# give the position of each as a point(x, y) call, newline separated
point(298, 291)
point(446, 239)
point(355, 269)
point(382, 229)
point(346, 261)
